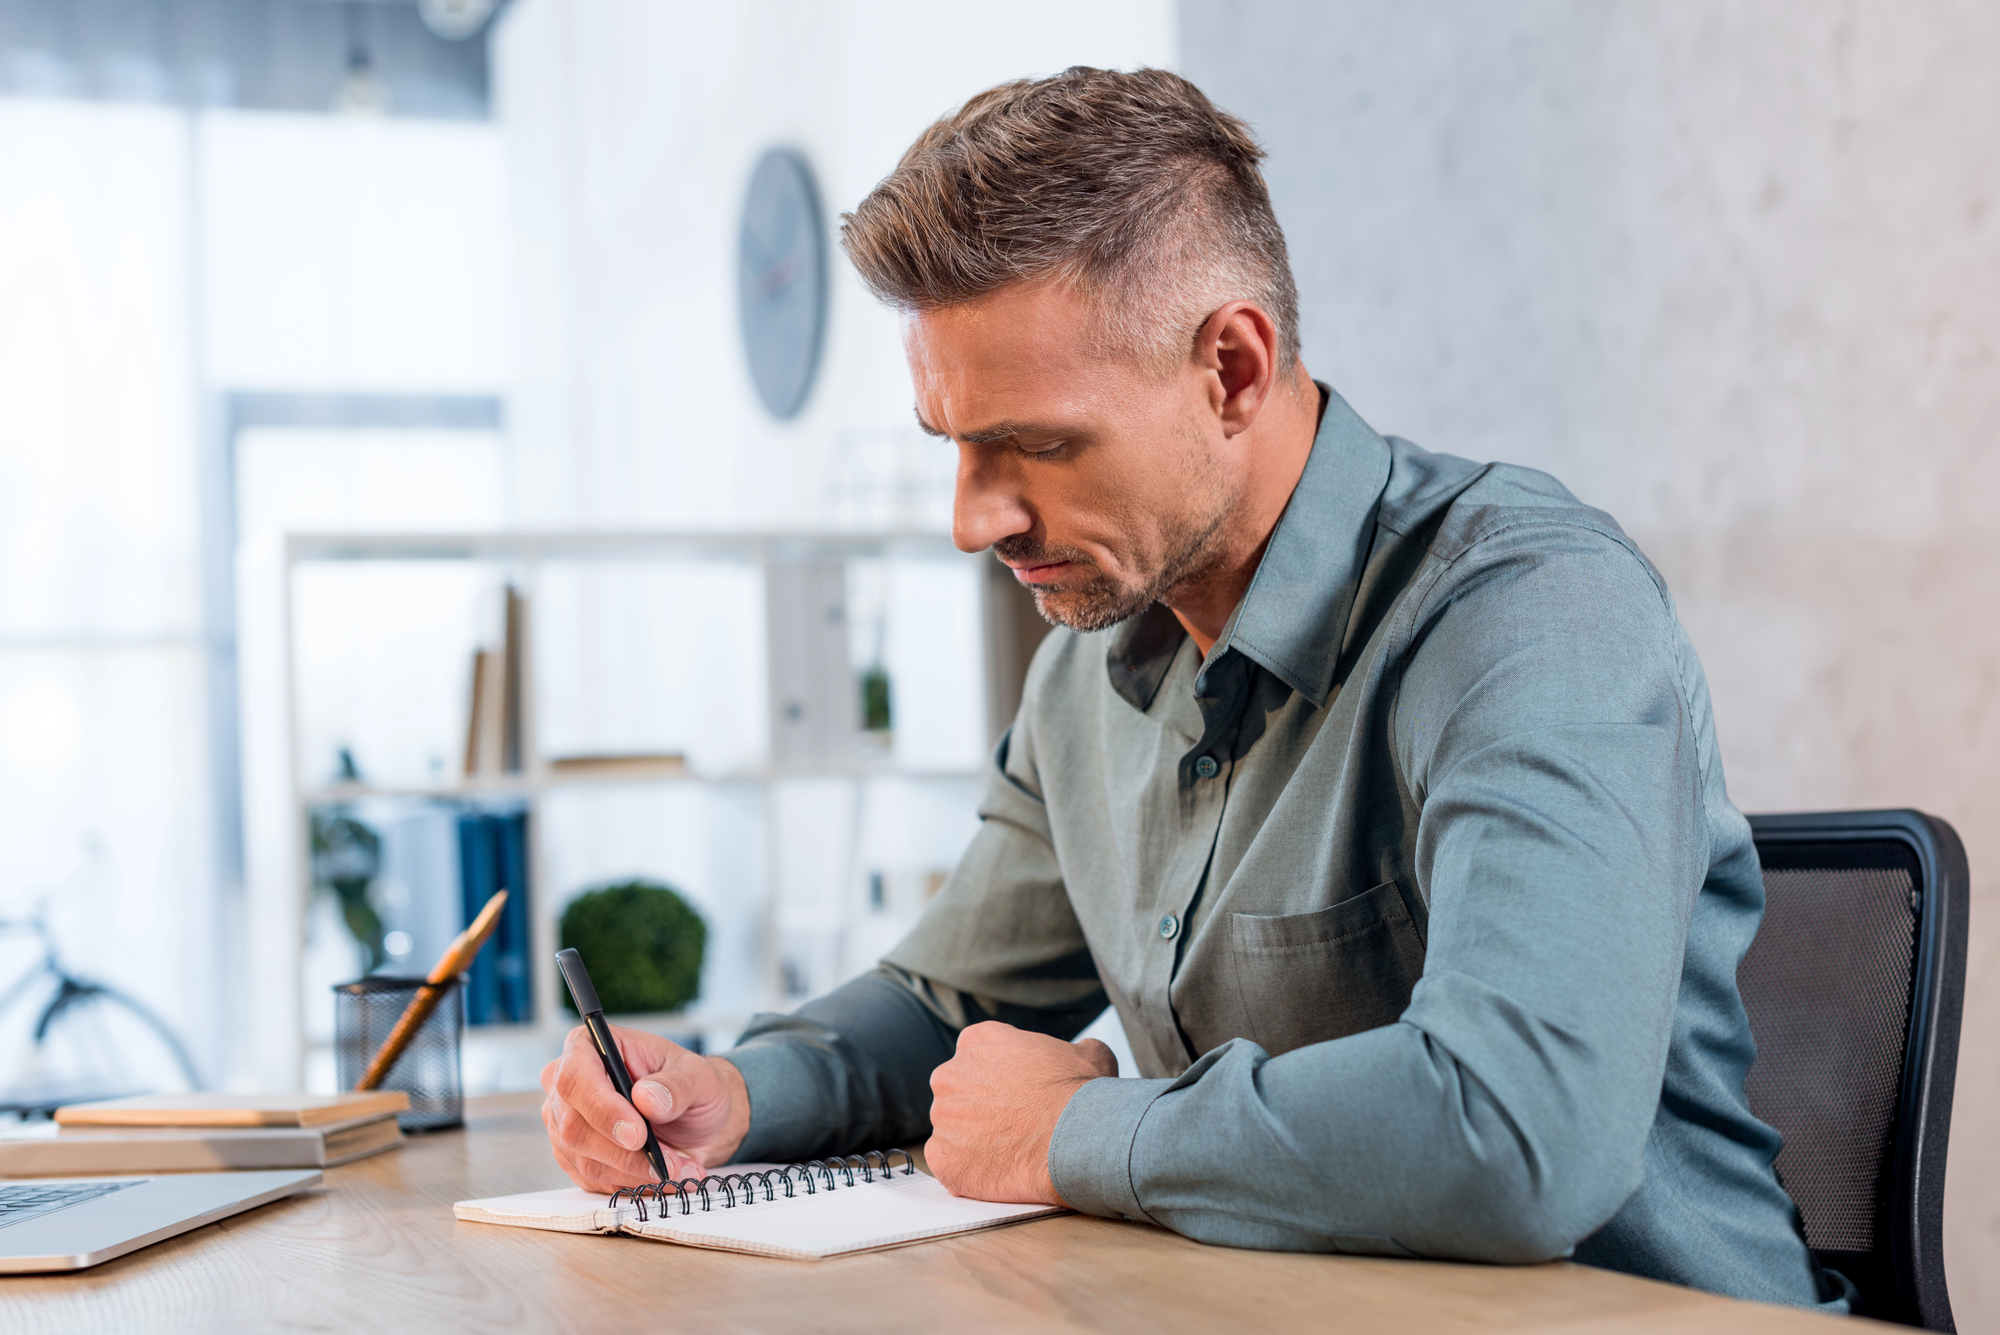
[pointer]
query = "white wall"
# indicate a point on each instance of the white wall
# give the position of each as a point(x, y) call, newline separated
point(1733, 273)
point(632, 127)
point(353, 253)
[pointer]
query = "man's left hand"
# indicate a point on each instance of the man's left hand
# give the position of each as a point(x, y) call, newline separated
point(995, 1108)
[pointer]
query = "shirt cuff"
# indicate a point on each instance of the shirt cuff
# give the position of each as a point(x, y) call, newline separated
point(787, 1101)
point(1090, 1154)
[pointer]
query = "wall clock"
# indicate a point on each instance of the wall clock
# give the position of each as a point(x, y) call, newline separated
point(781, 280)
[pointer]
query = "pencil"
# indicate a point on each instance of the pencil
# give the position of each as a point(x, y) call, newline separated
point(452, 963)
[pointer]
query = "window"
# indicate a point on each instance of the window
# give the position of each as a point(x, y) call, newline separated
point(105, 795)
point(155, 263)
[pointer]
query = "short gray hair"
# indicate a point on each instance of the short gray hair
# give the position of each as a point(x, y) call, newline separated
point(1132, 187)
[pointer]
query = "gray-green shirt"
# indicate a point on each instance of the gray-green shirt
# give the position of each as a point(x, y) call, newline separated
point(1421, 899)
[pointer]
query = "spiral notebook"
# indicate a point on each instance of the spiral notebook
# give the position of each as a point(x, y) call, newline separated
point(804, 1212)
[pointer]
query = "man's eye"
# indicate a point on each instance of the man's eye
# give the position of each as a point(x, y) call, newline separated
point(1044, 449)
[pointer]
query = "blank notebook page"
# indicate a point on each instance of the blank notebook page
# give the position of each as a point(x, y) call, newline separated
point(868, 1215)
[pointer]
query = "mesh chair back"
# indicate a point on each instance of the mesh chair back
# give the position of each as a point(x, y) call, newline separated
point(1827, 984)
point(1850, 988)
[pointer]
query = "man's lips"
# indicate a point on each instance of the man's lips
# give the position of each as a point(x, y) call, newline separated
point(1039, 574)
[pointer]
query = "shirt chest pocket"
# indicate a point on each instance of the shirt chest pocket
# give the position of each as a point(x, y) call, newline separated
point(1305, 978)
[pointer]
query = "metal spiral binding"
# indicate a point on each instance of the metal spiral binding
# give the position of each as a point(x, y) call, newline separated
point(741, 1188)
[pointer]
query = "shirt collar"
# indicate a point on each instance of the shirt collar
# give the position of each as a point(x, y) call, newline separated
point(1293, 618)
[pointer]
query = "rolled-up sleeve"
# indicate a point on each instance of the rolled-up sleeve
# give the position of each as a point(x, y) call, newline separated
point(1543, 729)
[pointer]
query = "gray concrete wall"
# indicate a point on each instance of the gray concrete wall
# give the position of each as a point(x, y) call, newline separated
point(1733, 273)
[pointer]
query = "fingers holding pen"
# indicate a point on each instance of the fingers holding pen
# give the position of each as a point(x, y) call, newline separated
point(597, 1135)
point(575, 1138)
point(586, 1173)
point(597, 1164)
point(591, 1175)
point(579, 1081)
point(586, 1117)
point(672, 1085)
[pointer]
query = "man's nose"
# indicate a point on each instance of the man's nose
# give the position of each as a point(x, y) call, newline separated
point(985, 506)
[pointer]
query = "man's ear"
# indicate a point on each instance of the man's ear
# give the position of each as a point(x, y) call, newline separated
point(1238, 347)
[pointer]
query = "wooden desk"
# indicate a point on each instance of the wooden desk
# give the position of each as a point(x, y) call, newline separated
point(377, 1249)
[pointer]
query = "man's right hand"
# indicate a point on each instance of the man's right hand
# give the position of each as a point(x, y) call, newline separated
point(698, 1108)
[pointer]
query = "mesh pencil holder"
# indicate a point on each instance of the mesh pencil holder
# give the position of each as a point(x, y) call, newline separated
point(366, 1010)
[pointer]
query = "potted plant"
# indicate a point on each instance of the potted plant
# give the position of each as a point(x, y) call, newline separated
point(642, 943)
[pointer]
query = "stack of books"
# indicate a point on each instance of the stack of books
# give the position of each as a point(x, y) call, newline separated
point(204, 1133)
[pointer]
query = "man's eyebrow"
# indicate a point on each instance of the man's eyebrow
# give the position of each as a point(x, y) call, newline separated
point(997, 434)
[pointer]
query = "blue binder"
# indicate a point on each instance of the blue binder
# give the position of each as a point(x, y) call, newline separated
point(493, 855)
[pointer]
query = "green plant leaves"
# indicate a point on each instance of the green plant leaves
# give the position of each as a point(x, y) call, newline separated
point(642, 944)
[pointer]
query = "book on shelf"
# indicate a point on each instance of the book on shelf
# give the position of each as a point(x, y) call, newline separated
point(493, 740)
point(475, 714)
point(510, 690)
point(635, 765)
point(493, 856)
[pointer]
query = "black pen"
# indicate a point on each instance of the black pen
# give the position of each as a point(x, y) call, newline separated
point(592, 1010)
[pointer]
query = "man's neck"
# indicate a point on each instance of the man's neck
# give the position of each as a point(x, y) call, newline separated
point(1281, 441)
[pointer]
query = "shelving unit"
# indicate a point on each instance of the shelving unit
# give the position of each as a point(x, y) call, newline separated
point(808, 749)
point(330, 794)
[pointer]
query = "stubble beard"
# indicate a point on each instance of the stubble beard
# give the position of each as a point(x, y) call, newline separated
point(1101, 602)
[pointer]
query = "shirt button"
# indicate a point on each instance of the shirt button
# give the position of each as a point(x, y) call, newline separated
point(1170, 927)
point(1206, 767)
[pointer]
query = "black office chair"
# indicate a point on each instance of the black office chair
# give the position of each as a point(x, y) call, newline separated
point(1854, 986)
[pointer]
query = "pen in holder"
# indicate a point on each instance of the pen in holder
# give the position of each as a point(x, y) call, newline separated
point(364, 1014)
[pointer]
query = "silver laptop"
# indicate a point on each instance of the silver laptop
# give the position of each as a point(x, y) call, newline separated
point(69, 1223)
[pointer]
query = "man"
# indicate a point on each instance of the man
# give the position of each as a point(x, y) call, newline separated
point(1376, 789)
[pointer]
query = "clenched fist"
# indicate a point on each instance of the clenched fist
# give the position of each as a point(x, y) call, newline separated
point(995, 1108)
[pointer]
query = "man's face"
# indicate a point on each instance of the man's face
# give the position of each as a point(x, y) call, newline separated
point(1100, 481)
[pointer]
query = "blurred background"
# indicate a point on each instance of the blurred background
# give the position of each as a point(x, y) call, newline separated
point(441, 447)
